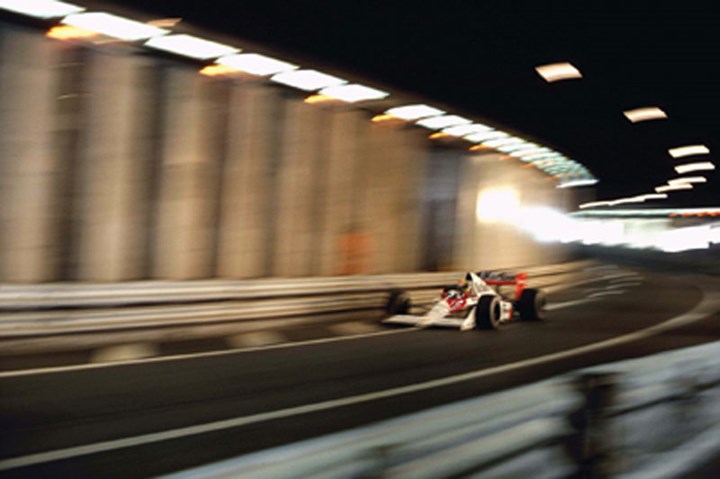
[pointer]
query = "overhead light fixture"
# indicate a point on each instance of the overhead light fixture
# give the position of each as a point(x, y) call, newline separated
point(653, 196)
point(689, 150)
point(414, 112)
point(577, 183)
point(307, 80)
point(544, 155)
point(443, 121)
point(553, 72)
point(637, 115)
point(318, 98)
point(678, 186)
point(68, 32)
point(353, 93)
point(256, 64)
point(114, 26)
point(699, 166)
point(41, 8)
point(503, 142)
point(594, 204)
point(469, 129)
point(486, 135)
point(190, 46)
point(687, 179)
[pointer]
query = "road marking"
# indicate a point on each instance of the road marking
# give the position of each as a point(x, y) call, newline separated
point(208, 354)
point(124, 352)
point(607, 292)
point(709, 304)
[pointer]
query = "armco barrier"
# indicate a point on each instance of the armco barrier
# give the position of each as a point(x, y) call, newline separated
point(654, 417)
point(51, 309)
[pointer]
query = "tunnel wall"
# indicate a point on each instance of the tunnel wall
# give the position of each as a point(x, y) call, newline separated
point(120, 165)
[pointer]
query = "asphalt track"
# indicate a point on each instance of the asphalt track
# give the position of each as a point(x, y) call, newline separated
point(153, 417)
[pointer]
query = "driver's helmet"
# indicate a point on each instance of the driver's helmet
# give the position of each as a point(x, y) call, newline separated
point(464, 286)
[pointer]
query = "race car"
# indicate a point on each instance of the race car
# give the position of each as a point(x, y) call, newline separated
point(475, 302)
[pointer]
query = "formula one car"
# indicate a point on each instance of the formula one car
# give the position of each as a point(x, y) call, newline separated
point(475, 302)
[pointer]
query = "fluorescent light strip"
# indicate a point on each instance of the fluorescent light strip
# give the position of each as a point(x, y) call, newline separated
point(699, 166)
point(353, 93)
point(256, 64)
point(41, 8)
point(687, 179)
point(553, 72)
point(594, 204)
point(644, 114)
point(654, 196)
point(114, 26)
point(464, 130)
point(679, 186)
point(576, 183)
point(190, 46)
point(444, 121)
point(503, 142)
point(413, 112)
point(689, 150)
point(484, 136)
point(307, 80)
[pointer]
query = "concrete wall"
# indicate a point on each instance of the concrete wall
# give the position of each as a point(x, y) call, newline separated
point(119, 166)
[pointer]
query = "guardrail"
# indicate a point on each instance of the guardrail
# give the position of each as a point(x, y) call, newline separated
point(653, 417)
point(69, 308)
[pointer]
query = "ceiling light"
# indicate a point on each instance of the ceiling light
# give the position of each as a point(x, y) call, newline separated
point(353, 93)
point(41, 8)
point(653, 196)
point(688, 151)
point(413, 112)
point(576, 183)
point(644, 114)
point(190, 46)
point(307, 80)
point(114, 26)
point(679, 186)
point(503, 142)
point(463, 130)
point(699, 166)
point(486, 135)
point(256, 64)
point(68, 32)
point(594, 204)
point(687, 179)
point(443, 121)
point(558, 71)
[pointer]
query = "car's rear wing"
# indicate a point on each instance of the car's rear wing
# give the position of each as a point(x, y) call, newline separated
point(496, 278)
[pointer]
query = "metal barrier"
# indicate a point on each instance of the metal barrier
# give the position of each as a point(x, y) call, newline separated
point(653, 417)
point(65, 308)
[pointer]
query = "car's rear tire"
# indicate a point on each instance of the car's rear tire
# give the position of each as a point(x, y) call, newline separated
point(531, 305)
point(488, 312)
point(398, 302)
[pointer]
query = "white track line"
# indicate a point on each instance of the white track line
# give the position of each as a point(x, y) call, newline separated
point(709, 304)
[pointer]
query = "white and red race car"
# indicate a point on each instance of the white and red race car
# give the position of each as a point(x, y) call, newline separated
point(475, 302)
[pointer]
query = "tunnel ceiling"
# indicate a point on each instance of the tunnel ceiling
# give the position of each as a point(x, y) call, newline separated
point(479, 58)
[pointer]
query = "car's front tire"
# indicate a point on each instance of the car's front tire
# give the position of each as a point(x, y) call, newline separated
point(398, 302)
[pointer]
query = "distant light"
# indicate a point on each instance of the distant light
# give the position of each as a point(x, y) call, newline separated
point(553, 72)
point(41, 8)
point(687, 179)
point(114, 26)
point(190, 46)
point(319, 98)
point(577, 183)
point(443, 121)
point(493, 205)
point(699, 166)
point(463, 130)
point(437, 135)
point(256, 64)
point(307, 80)
point(413, 112)
point(68, 32)
point(487, 135)
point(478, 147)
point(679, 186)
point(594, 204)
point(382, 117)
point(689, 150)
point(654, 196)
point(353, 93)
point(644, 114)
